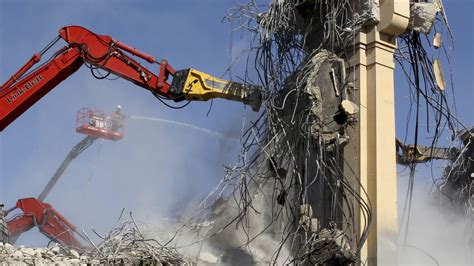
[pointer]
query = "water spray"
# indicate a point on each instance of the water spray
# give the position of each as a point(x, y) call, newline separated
point(204, 130)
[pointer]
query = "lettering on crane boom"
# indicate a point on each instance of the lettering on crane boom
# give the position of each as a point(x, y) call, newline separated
point(30, 84)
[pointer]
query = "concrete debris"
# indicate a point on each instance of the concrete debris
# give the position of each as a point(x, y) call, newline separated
point(41, 256)
point(349, 107)
point(74, 253)
point(306, 209)
point(370, 11)
point(322, 81)
point(3, 227)
point(437, 40)
point(439, 76)
point(125, 244)
point(330, 246)
point(324, 74)
point(307, 222)
point(206, 257)
point(422, 16)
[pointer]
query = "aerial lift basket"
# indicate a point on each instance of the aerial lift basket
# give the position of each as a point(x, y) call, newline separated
point(97, 123)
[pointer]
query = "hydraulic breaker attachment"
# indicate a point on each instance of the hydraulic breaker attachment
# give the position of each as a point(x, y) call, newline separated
point(407, 154)
point(191, 84)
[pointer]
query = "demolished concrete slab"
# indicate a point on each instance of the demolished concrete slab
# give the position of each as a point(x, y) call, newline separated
point(330, 247)
point(422, 16)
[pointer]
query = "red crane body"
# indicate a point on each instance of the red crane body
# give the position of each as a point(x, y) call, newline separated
point(21, 91)
point(49, 221)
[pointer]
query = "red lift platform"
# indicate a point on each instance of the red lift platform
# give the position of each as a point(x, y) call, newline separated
point(98, 124)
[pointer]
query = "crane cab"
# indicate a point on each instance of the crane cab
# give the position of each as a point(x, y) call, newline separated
point(97, 123)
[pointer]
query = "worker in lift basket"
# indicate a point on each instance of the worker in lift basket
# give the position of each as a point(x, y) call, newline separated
point(117, 118)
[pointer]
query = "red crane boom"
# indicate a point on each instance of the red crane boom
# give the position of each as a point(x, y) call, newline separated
point(24, 89)
point(49, 221)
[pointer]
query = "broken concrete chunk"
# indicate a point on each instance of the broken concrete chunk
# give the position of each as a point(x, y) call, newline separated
point(306, 210)
point(331, 245)
point(74, 253)
point(29, 252)
point(208, 258)
point(75, 261)
point(422, 16)
point(439, 76)
point(371, 11)
point(305, 222)
point(17, 254)
point(39, 253)
point(437, 40)
point(8, 248)
point(56, 250)
point(147, 254)
point(314, 226)
point(349, 107)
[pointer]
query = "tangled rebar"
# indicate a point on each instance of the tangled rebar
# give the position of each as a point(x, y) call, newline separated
point(432, 112)
point(127, 244)
point(287, 199)
point(288, 186)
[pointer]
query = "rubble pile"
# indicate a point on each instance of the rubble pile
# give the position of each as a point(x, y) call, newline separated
point(330, 245)
point(33, 256)
point(117, 250)
point(126, 244)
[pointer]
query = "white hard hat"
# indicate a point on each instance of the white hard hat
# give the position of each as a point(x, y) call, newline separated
point(119, 107)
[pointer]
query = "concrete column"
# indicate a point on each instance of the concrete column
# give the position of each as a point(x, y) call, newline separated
point(372, 71)
point(380, 155)
point(355, 152)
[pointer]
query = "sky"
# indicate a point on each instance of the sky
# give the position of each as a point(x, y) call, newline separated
point(433, 230)
point(156, 167)
point(459, 70)
point(461, 56)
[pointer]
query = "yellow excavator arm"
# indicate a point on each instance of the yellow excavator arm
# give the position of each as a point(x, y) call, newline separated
point(407, 154)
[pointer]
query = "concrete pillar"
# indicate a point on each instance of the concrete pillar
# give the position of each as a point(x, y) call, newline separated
point(372, 71)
